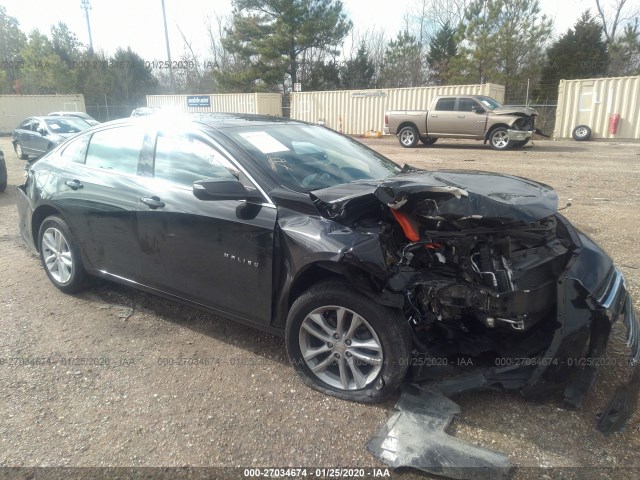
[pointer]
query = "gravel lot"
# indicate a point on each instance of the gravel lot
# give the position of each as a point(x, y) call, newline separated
point(247, 407)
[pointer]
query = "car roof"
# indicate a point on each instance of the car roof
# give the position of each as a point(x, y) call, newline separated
point(216, 121)
point(45, 117)
point(68, 113)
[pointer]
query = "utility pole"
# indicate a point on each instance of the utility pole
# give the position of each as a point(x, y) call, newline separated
point(87, 6)
point(166, 38)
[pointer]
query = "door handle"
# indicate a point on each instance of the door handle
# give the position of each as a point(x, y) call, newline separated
point(461, 116)
point(434, 114)
point(152, 202)
point(73, 184)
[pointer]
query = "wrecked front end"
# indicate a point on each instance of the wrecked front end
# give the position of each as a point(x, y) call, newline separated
point(500, 290)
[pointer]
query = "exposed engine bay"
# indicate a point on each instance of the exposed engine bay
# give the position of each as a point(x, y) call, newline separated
point(484, 268)
point(500, 291)
point(473, 284)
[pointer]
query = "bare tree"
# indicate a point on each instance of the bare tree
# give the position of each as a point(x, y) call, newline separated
point(619, 19)
point(614, 15)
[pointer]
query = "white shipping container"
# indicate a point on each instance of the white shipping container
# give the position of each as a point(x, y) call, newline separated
point(258, 103)
point(355, 112)
point(593, 101)
point(15, 108)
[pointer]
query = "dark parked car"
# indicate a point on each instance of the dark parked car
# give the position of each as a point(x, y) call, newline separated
point(81, 115)
point(37, 135)
point(3, 173)
point(372, 272)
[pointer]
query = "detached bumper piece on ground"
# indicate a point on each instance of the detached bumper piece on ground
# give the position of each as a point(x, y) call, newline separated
point(415, 437)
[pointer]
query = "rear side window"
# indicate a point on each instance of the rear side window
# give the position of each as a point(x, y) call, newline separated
point(116, 149)
point(76, 150)
point(446, 104)
point(183, 160)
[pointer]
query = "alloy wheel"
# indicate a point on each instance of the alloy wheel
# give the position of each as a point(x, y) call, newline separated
point(407, 137)
point(340, 347)
point(500, 139)
point(57, 255)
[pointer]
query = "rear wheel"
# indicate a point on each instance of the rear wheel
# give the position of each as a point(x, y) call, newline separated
point(343, 344)
point(499, 139)
point(60, 255)
point(408, 136)
point(20, 152)
point(428, 140)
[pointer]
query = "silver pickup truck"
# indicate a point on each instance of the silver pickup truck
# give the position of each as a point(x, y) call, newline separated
point(475, 117)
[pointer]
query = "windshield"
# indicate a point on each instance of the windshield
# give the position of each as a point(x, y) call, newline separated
point(67, 125)
point(308, 157)
point(489, 103)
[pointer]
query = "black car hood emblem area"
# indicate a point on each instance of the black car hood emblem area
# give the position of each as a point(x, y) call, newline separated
point(453, 195)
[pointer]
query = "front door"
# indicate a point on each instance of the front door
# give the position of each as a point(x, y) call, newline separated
point(216, 253)
point(472, 118)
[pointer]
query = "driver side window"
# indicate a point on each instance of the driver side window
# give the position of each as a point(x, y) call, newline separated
point(468, 105)
point(183, 160)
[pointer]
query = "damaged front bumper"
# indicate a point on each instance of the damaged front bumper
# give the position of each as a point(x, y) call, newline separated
point(519, 135)
point(592, 298)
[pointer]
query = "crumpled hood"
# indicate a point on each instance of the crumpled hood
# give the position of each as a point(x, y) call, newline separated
point(455, 194)
point(528, 111)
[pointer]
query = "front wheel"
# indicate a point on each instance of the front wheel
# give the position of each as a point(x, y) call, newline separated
point(408, 136)
point(343, 344)
point(60, 255)
point(499, 139)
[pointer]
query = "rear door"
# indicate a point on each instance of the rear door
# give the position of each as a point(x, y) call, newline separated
point(24, 133)
point(216, 253)
point(441, 121)
point(100, 193)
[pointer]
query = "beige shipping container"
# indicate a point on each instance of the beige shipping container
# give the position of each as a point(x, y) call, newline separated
point(355, 112)
point(15, 108)
point(258, 103)
point(593, 101)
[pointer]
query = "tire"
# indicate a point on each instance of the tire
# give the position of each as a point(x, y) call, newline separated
point(381, 369)
point(3, 174)
point(428, 140)
point(521, 143)
point(581, 133)
point(499, 139)
point(408, 136)
point(20, 153)
point(56, 240)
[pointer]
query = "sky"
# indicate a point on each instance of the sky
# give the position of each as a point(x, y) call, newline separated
point(138, 23)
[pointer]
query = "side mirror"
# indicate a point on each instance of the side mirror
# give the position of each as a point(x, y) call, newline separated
point(222, 189)
point(42, 132)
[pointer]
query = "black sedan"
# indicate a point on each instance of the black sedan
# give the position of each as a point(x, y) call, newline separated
point(373, 273)
point(37, 135)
